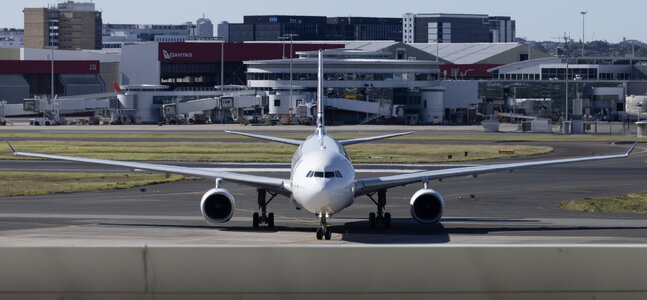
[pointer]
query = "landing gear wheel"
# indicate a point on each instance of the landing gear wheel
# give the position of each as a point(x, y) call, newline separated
point(387, 220)
point(380, 217)
point(323, 231)
point(255, 220)
point(327, 234)
point(263, 217)
point(270, 220)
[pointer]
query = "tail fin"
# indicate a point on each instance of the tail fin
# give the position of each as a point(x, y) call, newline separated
point(320, 99)
point(117, 88)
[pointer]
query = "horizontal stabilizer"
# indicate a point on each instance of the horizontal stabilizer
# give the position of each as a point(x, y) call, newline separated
point(372, 138)
point(269, 138)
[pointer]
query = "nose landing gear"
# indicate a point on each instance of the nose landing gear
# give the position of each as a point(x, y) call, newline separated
point(323, 231)
point(264, 217)
point(381, 217)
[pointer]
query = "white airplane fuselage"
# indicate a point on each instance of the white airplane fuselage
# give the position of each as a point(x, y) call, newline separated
point(322, 176)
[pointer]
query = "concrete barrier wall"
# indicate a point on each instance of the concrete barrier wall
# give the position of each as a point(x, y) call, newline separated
point(322, 271)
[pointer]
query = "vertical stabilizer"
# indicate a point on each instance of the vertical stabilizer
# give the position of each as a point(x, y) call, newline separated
point(320, 98)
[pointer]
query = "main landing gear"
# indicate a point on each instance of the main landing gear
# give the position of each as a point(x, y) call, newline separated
point(323, 231)
point(264, 217)
point(381, 217)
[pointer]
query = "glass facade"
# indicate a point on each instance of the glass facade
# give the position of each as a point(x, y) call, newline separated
point(200, 74)
point(312, 28)
point(346, 76)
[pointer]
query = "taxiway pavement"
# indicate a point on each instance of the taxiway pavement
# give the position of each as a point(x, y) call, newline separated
point(497, 208)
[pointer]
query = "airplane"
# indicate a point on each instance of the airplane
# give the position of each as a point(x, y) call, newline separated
point(322, 178)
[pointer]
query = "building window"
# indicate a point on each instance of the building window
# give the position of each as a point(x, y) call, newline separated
point(277, 102)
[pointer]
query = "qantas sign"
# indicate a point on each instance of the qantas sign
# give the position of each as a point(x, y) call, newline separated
point(172, 55)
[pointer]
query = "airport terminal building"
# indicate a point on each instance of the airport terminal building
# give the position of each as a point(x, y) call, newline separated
point(602, 83)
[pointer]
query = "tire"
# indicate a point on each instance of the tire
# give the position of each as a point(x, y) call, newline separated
point(319, 233)
point(327, 234)
point(387, 220)
point(255, 220)
point(371, 219)
point(270, 220)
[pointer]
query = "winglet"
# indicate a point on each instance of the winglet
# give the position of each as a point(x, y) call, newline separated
point(632, 148)
point(12, 149)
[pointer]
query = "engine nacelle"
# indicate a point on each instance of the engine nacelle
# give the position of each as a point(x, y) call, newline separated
point(427, 206)
point(217, 205)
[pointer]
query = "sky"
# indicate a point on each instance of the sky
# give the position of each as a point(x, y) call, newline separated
point(545, 20)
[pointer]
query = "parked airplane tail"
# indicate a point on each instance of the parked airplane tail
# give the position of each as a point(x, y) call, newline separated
point(117, 88)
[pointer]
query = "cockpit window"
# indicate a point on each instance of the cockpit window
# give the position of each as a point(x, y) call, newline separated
point(326, 174)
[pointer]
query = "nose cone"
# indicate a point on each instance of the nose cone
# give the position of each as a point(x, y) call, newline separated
point(323, 194)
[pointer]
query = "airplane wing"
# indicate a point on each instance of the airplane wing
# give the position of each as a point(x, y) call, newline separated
point(369, 185)
point(278, 185)
point(372, 138)
point(269, 138)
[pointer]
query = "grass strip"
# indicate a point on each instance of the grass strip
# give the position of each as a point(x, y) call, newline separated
point(634, 202)
point(421, 136)
point(266, 152)
point(42, 183)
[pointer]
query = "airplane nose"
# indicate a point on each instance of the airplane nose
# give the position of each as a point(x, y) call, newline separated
point(323, 196)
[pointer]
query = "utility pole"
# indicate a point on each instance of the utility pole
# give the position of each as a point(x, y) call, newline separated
point(291, 36)
point(52, 77)
point(222, 63)
point(283, 38)
point(566, 93)
point(583, 14)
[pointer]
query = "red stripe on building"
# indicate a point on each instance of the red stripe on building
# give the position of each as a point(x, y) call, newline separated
point(210, 52)
point(44, 66)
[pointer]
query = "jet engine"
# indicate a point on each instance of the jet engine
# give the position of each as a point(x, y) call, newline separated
point(217, 205)
point(427, 206)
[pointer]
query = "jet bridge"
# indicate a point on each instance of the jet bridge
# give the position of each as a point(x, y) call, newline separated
point(374, 109)
point(53, 110)
point(214, 109)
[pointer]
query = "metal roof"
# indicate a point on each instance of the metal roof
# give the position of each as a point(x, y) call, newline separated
point(465, 53)
point(373, 46)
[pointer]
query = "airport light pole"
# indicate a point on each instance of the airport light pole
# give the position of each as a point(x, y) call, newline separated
point(583, 14)
point(52, 77)
point(283, 38)
point(222, 63)
point(291, 36)
point(566, 93)
point(51, 57)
